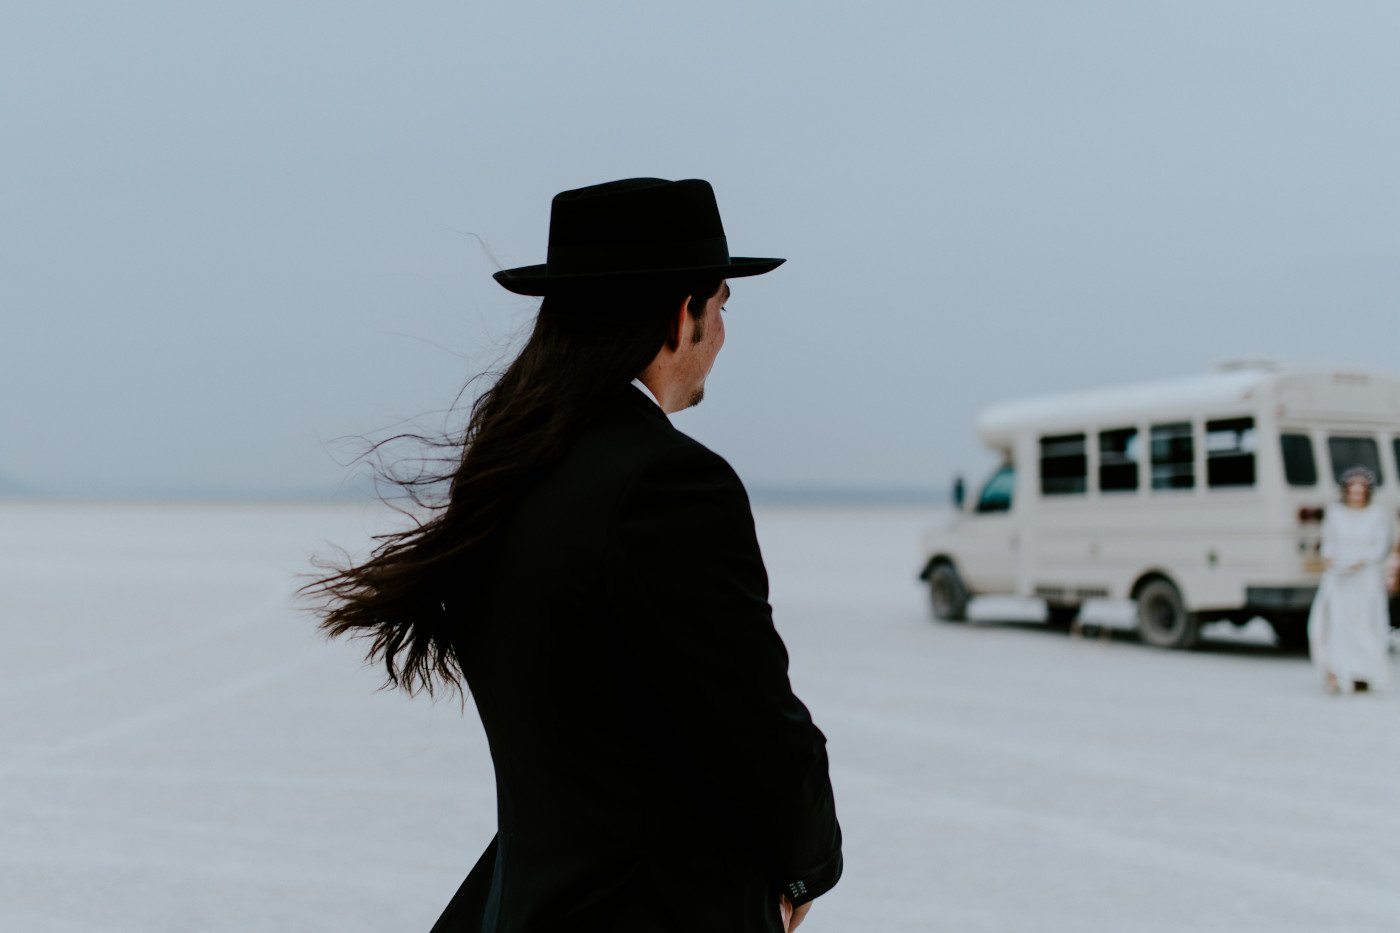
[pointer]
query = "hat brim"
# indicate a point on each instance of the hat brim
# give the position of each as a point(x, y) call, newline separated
point(536, 280)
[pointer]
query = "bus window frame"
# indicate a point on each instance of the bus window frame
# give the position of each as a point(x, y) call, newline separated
point(1087, 476)
point(1238, 453)
point(1374, 437)
point(1196, 437)
point(1098, 466)
point(1311, 436)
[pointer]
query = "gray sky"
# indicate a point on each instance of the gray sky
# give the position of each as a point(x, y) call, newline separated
point(230, 234)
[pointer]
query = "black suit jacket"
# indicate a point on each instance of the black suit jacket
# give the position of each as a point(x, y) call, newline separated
point(653, 769)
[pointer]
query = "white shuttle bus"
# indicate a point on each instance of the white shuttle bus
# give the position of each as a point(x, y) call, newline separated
point(1199, 498)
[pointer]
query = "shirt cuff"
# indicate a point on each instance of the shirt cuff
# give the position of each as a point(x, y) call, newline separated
point(814, 884)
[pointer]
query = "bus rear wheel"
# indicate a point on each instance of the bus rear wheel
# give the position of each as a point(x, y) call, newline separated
point(1290, 630)
point(947, 594)
point(1162, 617)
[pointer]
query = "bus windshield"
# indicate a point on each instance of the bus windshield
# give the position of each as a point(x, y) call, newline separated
point(996, 494)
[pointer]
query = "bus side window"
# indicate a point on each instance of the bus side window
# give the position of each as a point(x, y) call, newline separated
point(1299, 465)
point(1064, 465)
point(1347, 452)
point(1230, 446)
point(996, 494)
point(1173, 456)
point(1119, 452)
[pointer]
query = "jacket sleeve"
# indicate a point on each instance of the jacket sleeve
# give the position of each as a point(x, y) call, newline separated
point(686, 575)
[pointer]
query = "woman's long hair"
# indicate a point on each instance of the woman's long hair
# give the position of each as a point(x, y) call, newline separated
point(585, 348)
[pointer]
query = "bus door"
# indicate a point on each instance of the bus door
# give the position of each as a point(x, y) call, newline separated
point(986, 541)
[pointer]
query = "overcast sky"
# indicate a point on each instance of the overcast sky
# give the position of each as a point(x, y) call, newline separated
point(230, 234)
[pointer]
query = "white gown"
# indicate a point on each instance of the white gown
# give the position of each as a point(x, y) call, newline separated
point(1349, 626)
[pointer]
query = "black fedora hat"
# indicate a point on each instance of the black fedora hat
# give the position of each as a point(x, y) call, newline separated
point(635, 228)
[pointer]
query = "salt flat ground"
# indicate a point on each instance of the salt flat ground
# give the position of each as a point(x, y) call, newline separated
point(179, 751)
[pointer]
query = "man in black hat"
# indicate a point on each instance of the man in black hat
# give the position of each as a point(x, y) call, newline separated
point(595, 579)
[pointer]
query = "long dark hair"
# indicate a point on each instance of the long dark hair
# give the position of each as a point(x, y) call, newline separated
point(585, 348)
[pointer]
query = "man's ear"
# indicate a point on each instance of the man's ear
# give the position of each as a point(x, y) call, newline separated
point(673, 337)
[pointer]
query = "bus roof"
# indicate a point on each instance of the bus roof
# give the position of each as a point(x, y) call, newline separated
point(1170, 398)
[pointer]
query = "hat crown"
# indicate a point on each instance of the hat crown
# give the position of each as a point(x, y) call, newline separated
point(635, 224)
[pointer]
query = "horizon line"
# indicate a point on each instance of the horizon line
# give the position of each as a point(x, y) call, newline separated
point(759, 493)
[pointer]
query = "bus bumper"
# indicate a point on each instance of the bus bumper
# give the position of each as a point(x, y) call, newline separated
point(1266, 599)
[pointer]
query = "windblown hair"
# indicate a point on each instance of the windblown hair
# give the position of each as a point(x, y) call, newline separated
point(417, 589)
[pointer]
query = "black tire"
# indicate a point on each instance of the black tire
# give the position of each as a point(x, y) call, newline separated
point(1290, 631)
point(1061, 616)
point(1163, 621)
point(947, 594)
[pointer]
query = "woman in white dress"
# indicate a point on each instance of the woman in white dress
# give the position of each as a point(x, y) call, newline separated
point(1349, 627)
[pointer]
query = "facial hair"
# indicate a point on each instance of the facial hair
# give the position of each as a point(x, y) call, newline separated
point(696, 397)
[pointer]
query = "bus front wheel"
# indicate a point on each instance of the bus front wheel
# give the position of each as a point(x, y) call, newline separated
point(1162, 617)
point(947, 594)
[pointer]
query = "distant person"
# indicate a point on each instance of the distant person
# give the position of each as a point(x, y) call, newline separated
point(1349, 627)
point(595, 579)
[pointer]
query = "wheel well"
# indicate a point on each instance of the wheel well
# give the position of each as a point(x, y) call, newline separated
point(1147, 578)
point(933, 562)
